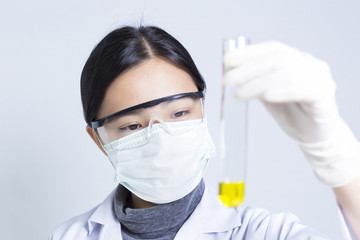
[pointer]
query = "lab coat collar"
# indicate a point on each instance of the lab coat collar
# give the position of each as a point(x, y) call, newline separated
point(104, 215)
point(208, 217)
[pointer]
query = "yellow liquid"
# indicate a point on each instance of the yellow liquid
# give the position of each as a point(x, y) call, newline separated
point(232, 194)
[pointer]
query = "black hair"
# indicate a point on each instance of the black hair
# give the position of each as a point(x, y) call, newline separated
point(123, 49)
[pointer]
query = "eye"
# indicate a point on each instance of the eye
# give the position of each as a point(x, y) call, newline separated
point(180, 114)
point(131, 127)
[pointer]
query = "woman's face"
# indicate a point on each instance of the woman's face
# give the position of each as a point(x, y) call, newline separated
point(152, 79)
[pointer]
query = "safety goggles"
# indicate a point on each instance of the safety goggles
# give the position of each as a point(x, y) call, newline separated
point(140, 118)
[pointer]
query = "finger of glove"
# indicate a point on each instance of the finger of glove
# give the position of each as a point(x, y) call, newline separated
point(240, 56)
point(254, 69)
point(300, 87)
point(320, 110)
point(257, 87)
point(289, 93)
point(274, 87)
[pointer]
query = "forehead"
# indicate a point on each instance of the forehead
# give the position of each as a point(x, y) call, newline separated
point(152, 79)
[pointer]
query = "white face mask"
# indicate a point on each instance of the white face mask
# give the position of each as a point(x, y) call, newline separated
point(168, 167)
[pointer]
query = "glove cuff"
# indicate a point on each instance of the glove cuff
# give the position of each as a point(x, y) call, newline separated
point(335, 161)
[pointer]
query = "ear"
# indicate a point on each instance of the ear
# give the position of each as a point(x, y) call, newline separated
point(92, 134)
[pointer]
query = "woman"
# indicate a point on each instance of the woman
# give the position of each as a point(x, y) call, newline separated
point(143, 103)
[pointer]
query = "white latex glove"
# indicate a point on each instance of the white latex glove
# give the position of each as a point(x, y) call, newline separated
point(298, 91)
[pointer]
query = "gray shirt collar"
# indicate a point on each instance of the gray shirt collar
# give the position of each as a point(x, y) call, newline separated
point(158, 222)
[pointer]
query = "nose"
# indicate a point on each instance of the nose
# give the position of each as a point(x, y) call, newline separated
point(155, 120)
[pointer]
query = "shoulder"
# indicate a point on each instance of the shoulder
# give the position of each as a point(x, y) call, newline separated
point(89, 224)
point(247, 222)
point(258, 216)
point(260, 223)
point(74, 228)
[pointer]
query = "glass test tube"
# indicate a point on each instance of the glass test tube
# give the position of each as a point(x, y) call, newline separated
point(233, 139)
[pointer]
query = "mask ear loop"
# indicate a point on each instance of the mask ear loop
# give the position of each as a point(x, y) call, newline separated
point(202, 109)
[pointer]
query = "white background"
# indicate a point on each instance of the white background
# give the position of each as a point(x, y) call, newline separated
point(50, 170)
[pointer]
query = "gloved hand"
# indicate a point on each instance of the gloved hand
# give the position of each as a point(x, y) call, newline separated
point(298, 91)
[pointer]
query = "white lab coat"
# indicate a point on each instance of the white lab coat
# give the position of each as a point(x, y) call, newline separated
point(210, 220)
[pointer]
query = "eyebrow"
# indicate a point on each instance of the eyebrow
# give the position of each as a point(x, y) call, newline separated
point(135, 112)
